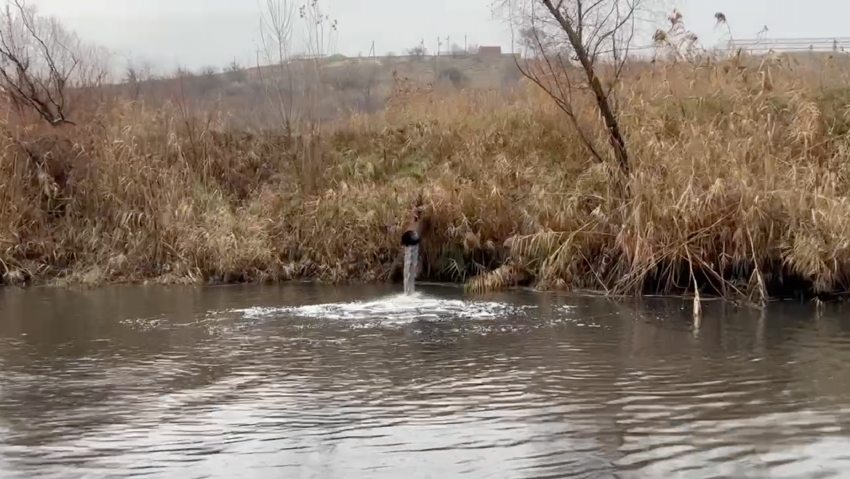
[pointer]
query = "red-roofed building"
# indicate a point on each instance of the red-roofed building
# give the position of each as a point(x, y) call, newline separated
point(489, 52)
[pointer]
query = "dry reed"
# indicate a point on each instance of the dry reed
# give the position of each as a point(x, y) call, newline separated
point(740, 185)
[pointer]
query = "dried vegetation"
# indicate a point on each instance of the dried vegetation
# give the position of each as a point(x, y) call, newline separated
point(739, 183)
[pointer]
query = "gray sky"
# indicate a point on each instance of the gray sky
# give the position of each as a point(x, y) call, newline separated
point(214, 32)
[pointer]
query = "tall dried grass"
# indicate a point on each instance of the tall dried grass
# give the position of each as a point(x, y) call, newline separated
point(740, 184)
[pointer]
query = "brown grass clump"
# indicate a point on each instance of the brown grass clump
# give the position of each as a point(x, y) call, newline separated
point(740, 184)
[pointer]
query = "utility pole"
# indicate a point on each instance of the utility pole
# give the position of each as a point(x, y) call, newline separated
point(437, 58)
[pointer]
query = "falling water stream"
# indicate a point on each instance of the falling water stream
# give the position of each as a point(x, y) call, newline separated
point(411, 255)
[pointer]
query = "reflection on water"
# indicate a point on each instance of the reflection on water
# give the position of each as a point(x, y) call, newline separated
point(316, 382)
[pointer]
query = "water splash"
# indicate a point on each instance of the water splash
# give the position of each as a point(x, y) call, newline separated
point(401, 308)
point(411, 256)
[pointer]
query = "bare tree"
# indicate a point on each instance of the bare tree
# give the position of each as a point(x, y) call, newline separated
point(136, 75)
point(94, 69)
point(208, 71)
point(207, 79)
point(183, 72)
point(579, 47)
point(293, 80)
point(276, 28)
point(529, 39)
point(320, 39)
point(133, 78)
point(457, 50)
point(320, 31)
point(39, 62)
point(418, 52)
point(234, 72)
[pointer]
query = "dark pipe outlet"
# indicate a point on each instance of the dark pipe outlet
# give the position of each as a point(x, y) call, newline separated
point(412, 235)
point(410, 238)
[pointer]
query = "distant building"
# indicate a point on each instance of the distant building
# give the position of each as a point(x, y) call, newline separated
point(489, 52)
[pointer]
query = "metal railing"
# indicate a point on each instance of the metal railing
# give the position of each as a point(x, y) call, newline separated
point(824, 44)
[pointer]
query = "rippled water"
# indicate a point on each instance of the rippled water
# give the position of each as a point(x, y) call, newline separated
point(304, 381)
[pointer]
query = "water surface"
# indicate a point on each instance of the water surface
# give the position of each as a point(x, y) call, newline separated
point(305, 381)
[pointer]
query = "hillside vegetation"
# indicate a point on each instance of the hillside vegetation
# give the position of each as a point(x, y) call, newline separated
point(325, 89)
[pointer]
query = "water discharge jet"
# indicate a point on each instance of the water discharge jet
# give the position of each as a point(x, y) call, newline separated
point(410, 239)
point(411, 254)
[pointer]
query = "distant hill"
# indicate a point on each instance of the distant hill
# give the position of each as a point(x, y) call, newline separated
point(343, 85)
point(476, 71)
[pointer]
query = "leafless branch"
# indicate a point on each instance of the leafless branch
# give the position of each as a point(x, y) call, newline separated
point(555, 81)
point(40, 62)
point(580, 47)
point(276, 27)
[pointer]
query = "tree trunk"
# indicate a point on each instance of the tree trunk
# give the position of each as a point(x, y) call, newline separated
point(608, 116)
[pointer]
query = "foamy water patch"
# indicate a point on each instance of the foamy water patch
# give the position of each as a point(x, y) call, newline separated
point(394, 309)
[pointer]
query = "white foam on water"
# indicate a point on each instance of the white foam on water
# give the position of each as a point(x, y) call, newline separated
point(397, 308)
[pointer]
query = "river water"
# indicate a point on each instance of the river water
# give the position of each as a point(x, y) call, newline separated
point(308, 381)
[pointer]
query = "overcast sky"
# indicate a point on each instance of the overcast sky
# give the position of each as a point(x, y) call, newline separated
point(195, 33)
